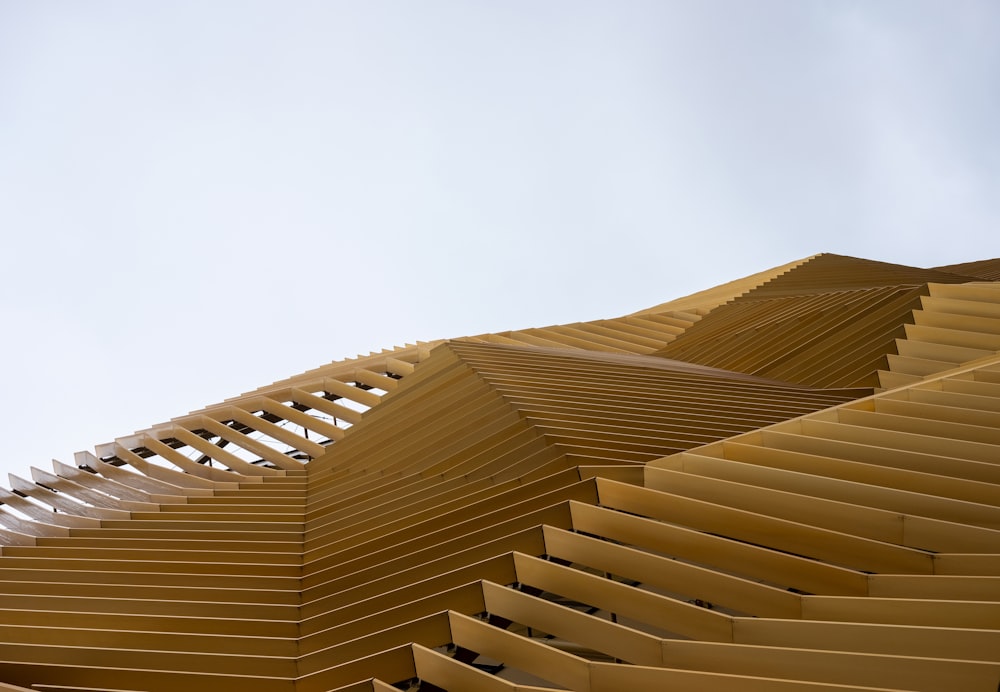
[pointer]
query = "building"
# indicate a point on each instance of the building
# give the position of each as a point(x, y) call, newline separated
point(787, 482)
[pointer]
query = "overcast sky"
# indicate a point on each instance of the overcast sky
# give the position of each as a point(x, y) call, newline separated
point(198, 198)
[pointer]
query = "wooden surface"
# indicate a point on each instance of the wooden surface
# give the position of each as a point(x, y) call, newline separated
point(788, 482)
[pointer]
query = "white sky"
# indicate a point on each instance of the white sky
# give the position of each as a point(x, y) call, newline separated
point(198, 198)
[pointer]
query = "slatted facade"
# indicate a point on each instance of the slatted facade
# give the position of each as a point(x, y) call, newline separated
point(791, 481)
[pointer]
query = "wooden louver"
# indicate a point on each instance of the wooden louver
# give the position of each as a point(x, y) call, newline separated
point(788, 482)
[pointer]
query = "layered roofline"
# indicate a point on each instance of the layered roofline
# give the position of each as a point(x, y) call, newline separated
point(786, 482)
point(717, 295)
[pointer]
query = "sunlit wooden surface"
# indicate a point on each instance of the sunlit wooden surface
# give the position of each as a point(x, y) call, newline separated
point(787, 482)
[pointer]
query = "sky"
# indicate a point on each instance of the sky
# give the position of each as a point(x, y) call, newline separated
point(198, 198)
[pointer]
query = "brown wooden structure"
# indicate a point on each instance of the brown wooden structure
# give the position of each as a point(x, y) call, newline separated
point(788, 482)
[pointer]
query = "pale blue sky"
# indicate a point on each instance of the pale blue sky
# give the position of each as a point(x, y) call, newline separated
point(197, 198)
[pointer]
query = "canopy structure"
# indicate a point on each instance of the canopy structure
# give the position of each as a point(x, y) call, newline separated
point(787, 482)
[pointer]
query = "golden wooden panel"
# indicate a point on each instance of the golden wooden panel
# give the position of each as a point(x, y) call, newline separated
point(787, 482)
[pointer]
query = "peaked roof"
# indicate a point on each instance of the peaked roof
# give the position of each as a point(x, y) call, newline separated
point(787, 482)
point(828, 272)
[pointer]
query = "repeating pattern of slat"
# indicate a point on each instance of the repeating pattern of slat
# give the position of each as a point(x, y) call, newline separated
point(642, 334)
point(855, 547)
point(828, 272)
point(831, 321)
point(652, 407)
point(701, 495)
point(173, 556)
point(712, 298)
point(834, 339)
point(983, 269)
point(200, 589)
point(953, 324)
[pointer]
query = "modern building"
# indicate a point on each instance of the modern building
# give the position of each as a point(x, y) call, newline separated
point(787, 482)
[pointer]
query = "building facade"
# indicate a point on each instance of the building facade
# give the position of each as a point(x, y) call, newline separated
point(787, 482)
